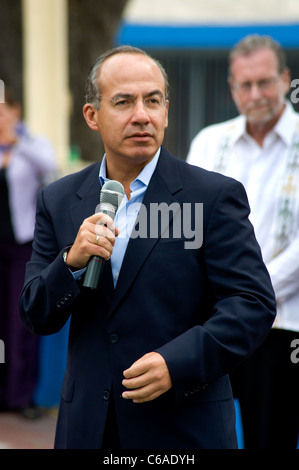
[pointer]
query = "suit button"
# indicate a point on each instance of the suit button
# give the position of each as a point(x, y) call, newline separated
point(67, 296)
point(114, 338)
point(106, 395)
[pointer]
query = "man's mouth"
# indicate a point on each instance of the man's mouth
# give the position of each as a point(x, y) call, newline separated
point(257, 106)
point(140, 136)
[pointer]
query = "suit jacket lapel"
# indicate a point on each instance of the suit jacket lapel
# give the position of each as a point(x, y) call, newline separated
point(88, 197)
point(138, 249)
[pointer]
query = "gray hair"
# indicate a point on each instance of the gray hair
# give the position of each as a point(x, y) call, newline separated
point(256, 42)
point(92, 87)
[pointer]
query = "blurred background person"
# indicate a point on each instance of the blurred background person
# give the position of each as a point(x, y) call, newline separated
point(26, 163)
point(260, 148)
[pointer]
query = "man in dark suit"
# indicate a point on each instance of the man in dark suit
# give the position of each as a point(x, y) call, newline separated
point(149, 350)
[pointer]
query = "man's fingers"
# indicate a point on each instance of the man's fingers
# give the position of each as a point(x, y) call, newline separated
point(147, 378)
point(142, 395)
point(96, 236)
point(139, 367)
point(103, 220)
point(137, 382)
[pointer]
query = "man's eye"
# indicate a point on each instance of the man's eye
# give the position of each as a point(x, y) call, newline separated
point(245, 86)
point(153, 102)
point(264, 83)
point(121, 103)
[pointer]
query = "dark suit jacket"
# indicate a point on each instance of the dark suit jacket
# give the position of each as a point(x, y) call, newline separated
point(204, 310)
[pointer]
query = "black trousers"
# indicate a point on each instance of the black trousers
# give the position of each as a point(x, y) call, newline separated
point(267, 387)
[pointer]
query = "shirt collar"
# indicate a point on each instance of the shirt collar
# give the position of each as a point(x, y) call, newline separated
point(284, 128)
point(236, 128)
point(143, 177)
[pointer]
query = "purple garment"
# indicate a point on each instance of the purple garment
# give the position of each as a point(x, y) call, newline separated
point(32, 165)
point(18, 376)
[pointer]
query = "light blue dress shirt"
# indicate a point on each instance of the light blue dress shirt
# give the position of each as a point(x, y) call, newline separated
point(127, 212)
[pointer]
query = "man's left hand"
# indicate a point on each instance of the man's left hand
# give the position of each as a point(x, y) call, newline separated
point(147, 378)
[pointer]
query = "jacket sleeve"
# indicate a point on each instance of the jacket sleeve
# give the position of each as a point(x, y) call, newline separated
point(242, 296)
point(49, 288)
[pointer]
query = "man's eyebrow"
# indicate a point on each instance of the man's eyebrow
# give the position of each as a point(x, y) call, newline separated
point(120, 95)
point(155, 92)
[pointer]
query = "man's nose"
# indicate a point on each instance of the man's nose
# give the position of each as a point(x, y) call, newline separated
point(140, 112)
point(255, 91)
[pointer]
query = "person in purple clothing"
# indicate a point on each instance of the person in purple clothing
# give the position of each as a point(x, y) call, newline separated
point(26, 162)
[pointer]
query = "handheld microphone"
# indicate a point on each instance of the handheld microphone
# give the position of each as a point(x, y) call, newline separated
point(111, 196)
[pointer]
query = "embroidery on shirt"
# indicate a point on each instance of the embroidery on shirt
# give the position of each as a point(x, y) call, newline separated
point(223, 150)
point(286, 209)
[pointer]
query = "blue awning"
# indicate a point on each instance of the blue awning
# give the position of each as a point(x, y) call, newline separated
point(202, 36)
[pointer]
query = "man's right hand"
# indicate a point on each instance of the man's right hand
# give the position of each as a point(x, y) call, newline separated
point(96, 236)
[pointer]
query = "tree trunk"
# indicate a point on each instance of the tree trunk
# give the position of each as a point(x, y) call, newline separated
point(11, 45)
point(92, 26)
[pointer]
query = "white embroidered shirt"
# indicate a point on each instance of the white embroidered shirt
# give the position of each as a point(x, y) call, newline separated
point(270, 175)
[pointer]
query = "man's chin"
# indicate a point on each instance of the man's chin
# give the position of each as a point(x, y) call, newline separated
point(259, 118)
point(140, 154)
point(146, 150)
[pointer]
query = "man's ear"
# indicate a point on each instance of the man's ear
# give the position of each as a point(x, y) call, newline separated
point(89, 113)
point(286, 77)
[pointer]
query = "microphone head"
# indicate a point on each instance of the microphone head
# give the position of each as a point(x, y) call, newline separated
point(112, 193)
